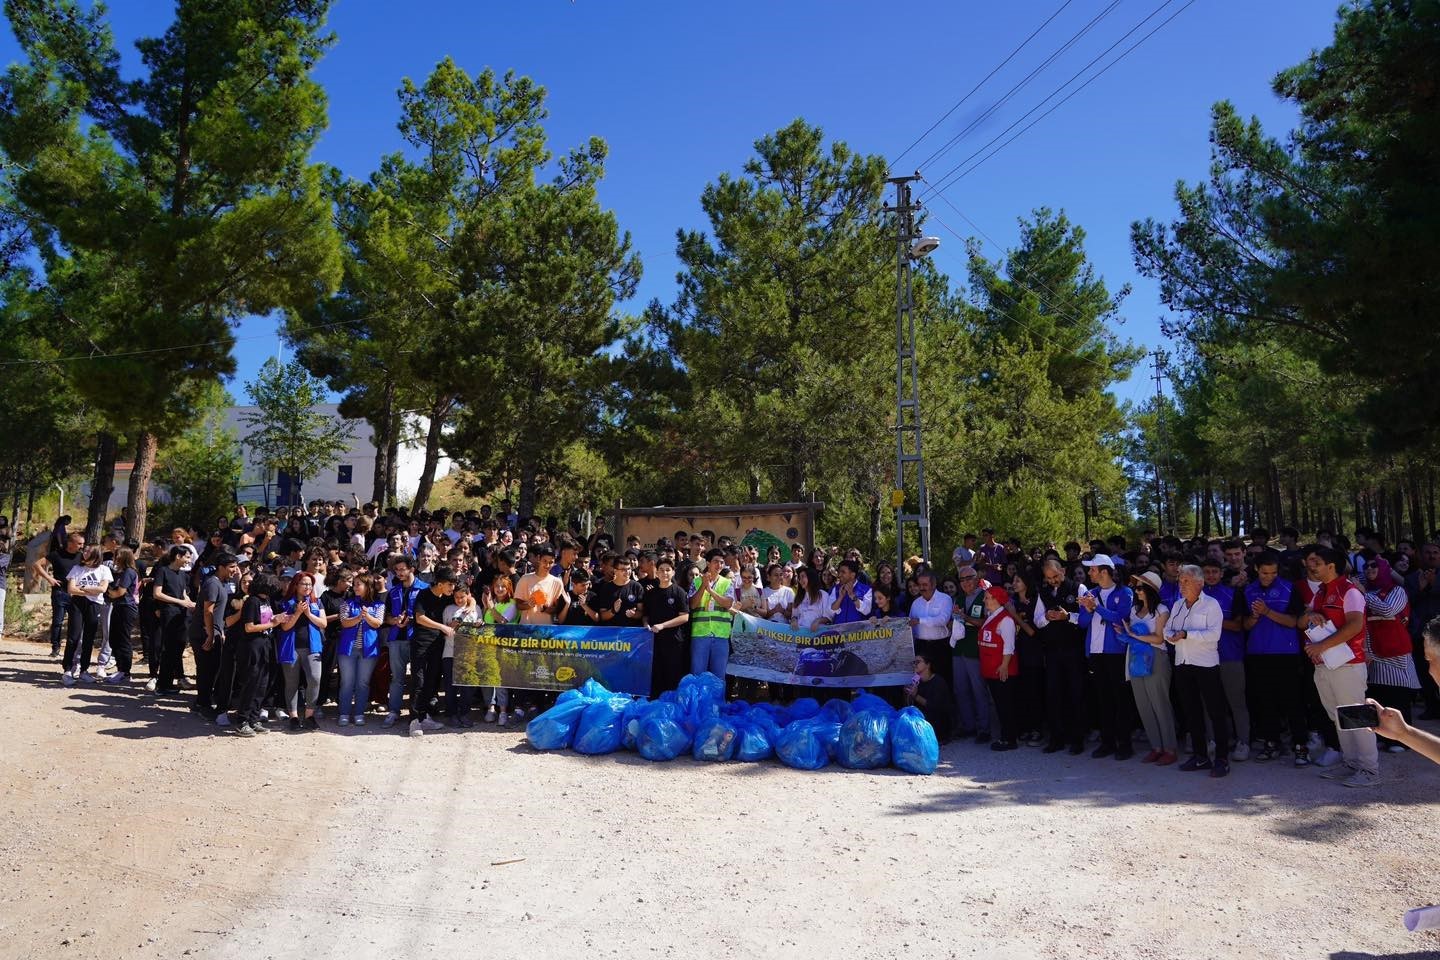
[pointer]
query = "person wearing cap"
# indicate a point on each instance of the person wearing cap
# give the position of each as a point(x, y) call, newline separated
point(1103, 612)
point(1194, 631)
point(998, 664)
point(972, 700)
point(1145, 631)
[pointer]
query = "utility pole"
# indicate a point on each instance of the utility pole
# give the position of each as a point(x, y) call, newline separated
point(1159, 359)
point(909, 452)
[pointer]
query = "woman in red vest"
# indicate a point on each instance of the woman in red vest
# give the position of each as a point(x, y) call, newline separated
point(998, 664)
point(1390, 662)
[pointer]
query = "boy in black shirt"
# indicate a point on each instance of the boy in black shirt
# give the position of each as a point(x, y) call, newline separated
point(427, 647)
point(617, 601)
point(667, 610)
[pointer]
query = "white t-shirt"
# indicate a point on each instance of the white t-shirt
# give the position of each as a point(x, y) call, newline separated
point(453, 613)
point(779, 597)
point(809, 611)
point(1097, 625)
point(84, 577)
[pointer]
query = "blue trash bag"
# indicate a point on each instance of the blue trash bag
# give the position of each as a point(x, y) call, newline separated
point(555, 728)
point(696, 688)
point(568, 696)
point(865, 741)
point(804, 708)
point(836, 709)
point(601, 728)
point(829, 733)
point(715, 741)
point(753, 742)
point(802, 746)
point(630, 722)
point(870, 702)
point(594, 690)
point(913, 743)
point(662, 737)
point(735, 708)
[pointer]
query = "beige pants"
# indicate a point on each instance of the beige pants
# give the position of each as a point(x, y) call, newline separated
point(1341, 686)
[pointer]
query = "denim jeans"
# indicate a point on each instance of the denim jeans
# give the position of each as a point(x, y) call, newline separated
point(399, 660)
point(354, 684)
point(709, 653)
point(59, 607)
point(972, 699)
point(497, 697)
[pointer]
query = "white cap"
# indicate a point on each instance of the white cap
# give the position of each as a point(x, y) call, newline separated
point(1099, 560)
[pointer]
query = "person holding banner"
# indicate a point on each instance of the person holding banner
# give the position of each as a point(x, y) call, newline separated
point(711, 597)
point(812, 612)
point(427, 648)
point(930, 616)
point(851, 599)
point(537, 593)
point(500, 607)
point(666, 609)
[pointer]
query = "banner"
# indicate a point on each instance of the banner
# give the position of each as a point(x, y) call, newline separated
point(871, 653)
point(527, 656)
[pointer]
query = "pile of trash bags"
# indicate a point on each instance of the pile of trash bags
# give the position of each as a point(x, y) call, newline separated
point(865, 733)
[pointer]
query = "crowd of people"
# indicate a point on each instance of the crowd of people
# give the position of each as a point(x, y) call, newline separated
point(1221, 651)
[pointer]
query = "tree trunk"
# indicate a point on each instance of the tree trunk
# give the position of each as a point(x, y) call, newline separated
point(137, 498)
point(529, 481)
point(875, 515)
point(381, 430)
point(1207, 500)
point(101, 486)
point(392, 460)
point(432, 454)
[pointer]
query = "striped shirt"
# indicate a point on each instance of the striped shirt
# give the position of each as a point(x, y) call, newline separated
point(1388, 671)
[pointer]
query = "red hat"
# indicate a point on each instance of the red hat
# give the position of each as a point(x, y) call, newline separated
point(999, 594)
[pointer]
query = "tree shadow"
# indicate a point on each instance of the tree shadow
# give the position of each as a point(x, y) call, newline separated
point(1361, 955)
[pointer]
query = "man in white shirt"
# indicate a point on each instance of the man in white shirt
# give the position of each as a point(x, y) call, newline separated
point(930, 617)
point(1194, 630)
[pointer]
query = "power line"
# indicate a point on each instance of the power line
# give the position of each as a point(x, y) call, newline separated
point(1024, 82)
point(188, 346)
point(998, 67)
point(950, 177)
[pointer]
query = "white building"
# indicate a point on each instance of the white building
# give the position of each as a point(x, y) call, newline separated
point(354, 473)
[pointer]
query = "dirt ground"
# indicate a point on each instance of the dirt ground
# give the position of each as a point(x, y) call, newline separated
point(136, 830)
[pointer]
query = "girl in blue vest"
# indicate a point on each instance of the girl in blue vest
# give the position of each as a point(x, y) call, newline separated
point(359, 647)
point(300, 644)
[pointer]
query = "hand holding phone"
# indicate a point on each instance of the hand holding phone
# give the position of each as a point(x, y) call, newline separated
point(1357, 716)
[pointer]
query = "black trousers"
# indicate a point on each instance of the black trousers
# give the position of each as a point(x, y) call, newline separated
point(84, 629)
point(225, 674)
point(328, 651)
point(172, 651)
point(61, 604)
point(940, 653)
point(1391, 696)
point(671, 661)
point(1273, 687)
point(252, 676)
point(1316, 716)
point(425, 670)
point(1064, 685)
point(122, 624)
point(1204, 693)
point(207, 665)
point(1113, 699)
point(1003, 696)
point(1030, 685)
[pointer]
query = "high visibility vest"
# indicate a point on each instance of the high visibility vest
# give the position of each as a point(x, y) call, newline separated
point(711, 623)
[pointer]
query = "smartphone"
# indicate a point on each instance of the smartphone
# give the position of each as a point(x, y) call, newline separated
point(1357, 716)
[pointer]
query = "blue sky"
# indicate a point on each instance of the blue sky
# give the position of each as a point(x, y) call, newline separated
point(681, 90)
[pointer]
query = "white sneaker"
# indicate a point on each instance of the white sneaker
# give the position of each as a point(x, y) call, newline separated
point(430, 723)
point(1316, 744)
point(118, 678)
point(389, 720)
point(1241, 752)
point(504, 720)
point(359, 719)
point(281, 714)
point(490, 714)
point(1362, 778)
point(1329, 758)
point(151, 684)
point(222, 719)
point(344, 720)
point(416, 730)
point(67, 678)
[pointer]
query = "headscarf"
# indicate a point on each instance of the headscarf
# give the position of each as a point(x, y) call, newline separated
point(1384, 580)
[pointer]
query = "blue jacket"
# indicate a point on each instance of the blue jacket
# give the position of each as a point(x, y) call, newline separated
point(1114, 611)
point(400, 600)
point(1232, 642)
point(1267, 636)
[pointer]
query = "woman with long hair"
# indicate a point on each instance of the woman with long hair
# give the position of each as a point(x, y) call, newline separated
point(1030, 654)
point(499, 605)
point(170, 587)
point(1145, 632)
point(359, 646)
point(124, 595)
point(86, 583)
point(299, 646)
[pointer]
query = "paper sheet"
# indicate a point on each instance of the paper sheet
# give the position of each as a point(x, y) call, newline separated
point(1422, 918)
